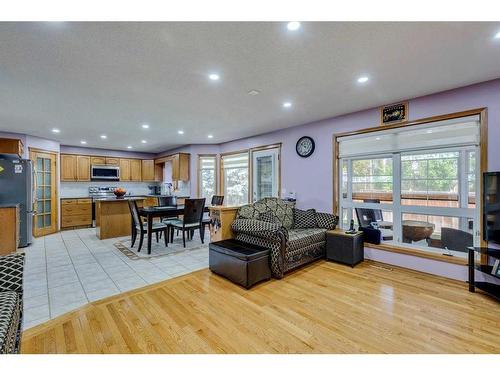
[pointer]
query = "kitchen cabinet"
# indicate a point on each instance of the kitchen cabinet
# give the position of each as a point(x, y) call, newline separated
point(179, 166)
point(11, 146)
point(124, 169)
point(112, 161)
point(68, 167)
point(9, 235)
point(83, 168)
point(76, 212)
point(97, 160)
point(75, 168)
point(148, 170)
point(135, 170)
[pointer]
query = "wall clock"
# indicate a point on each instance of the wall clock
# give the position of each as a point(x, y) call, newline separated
point(305, 147)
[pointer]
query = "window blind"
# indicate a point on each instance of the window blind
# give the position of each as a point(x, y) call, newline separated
point(461, 131)
point(235, 161)
point(207, 162)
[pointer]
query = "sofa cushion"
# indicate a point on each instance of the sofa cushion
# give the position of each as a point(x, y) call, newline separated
point(282, 210)
point(269, 217)
point(300, 238)
point(326, 221)
point(10, 311)
point(304, 219)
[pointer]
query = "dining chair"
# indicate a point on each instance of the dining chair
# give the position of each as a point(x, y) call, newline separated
point(168, 201)
point(138, 226)
point(217, 200)
point(192, 220)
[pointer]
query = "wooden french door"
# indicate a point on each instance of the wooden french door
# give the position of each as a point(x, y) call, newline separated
point(45, 181)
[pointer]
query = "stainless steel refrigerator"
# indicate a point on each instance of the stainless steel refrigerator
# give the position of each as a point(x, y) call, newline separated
point(16, 186)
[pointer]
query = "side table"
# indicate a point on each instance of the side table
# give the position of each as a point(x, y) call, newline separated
point(345, 248)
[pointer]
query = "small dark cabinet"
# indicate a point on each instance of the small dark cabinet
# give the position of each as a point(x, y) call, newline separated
point(345, 248)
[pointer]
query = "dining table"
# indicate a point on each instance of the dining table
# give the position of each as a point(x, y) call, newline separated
point(150, 212)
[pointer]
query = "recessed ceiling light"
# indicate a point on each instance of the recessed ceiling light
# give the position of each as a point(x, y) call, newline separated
point(429, 131)
point(104, 136)
point(210, 136)
point(55, 130)
point(129, 147)
point(253, 92)
point(363, 79)
point(144, 141)
point(377, 138)
point(214, 77)
point(497, 35)
point(83, 142)
point(145, 126)
point(293, 25)
point(180, 131)
point(287, 104)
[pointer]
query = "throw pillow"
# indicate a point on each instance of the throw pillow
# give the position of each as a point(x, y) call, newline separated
point(304, 219)
point(326, 221)
point(269, 217)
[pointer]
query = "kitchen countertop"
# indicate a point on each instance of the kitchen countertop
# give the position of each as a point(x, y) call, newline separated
point(129, 196)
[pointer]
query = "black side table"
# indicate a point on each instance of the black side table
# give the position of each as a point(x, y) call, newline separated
point(345, 248)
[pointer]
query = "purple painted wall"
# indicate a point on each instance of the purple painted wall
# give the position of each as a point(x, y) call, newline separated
point(311, 178)
point(101, 152)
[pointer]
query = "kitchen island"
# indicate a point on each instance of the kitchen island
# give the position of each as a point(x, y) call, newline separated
point(113, 217)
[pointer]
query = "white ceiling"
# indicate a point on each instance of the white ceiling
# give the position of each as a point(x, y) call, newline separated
point(92, 78)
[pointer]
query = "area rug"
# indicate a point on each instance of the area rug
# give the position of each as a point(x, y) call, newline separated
point(159, 250)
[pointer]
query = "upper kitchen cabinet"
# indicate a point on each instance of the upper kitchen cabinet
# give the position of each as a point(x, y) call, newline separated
point(83, 168)
point(148, 170)
point(68, 167)
point(98, 160)
point(11, 146)
point(176, 166)
point(135, 170)
point(124, 169)
point(75, 167)
point(113, 161)
point(180, 167)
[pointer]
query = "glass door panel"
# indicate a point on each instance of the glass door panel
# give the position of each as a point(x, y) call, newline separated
point(45, 216)
point(265, 167)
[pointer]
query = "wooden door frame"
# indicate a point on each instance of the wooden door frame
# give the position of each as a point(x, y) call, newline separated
point(250, 161)
point(55, 190)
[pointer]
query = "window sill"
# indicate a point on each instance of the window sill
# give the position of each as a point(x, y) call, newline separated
point(418, 253)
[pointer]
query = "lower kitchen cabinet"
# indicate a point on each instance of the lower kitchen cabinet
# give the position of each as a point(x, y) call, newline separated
point(76, 212)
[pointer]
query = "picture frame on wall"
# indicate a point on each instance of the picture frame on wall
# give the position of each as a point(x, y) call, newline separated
point(394, 113)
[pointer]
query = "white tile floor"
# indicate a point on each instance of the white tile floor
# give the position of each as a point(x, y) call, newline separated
point(69, 269)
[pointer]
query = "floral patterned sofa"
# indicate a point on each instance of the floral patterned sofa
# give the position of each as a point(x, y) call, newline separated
point(11, 302)
point(295, 237)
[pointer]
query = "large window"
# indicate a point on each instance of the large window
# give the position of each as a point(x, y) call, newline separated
point(207, 176)
point(235, 178)
point(417, 184)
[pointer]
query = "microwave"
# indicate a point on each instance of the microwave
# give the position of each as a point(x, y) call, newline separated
point(105, 172)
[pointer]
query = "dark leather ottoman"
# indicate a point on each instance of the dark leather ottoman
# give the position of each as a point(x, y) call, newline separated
point(242, 263)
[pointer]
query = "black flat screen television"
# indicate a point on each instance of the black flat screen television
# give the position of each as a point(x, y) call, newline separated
point(491, 206)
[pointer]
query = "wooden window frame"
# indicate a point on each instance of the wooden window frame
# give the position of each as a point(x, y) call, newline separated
point(198, 171)
point(483, 157)
point(221, 169)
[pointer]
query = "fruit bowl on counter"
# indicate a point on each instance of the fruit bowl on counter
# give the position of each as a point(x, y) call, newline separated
point(120, 192)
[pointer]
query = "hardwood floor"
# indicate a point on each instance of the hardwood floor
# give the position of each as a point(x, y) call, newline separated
point(323, 308)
